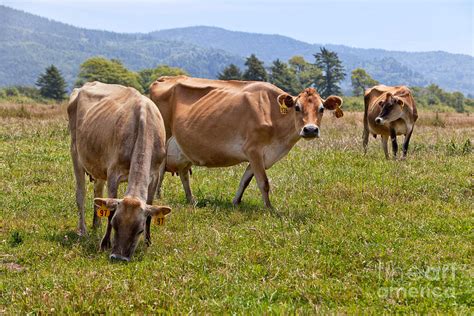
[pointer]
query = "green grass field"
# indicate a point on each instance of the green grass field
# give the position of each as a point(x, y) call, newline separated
point(350, 232)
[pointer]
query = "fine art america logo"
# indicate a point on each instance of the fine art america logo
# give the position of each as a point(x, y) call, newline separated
point(418, 282)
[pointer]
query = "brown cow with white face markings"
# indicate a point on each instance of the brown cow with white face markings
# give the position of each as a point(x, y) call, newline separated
point(117, 135)
point(389, 111)
point(217, 123)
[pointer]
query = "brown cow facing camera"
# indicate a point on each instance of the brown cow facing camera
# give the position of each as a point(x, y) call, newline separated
point(389, 111)
point(217, 123)
point(117, 135)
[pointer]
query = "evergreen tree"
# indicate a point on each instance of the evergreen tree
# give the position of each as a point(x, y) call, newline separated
point(361, 80)
point(231, 72)
point(255, 70)
point(284, 78)
point(52, 84)
point(333, 72)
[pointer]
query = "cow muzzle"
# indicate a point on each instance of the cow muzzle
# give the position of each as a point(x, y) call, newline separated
point(379, 120)
point(116, 257)
point(310, 131)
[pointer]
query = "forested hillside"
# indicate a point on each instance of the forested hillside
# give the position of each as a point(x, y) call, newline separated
point(29, 43)
point(450, 71)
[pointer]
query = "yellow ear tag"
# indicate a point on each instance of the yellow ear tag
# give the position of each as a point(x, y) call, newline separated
point(159, 220)
point(103, 211)
point(283, 108)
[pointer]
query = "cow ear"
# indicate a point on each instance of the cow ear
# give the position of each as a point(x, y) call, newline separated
point(286, 99)
point(400, 102)
point(334, 103)
point(108, 202)
point(154, 210)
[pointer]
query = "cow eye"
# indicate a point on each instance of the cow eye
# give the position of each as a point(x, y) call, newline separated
point(297, 108)
point(321, 109)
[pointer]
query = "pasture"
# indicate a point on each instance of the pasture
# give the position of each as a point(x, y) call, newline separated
point(349, 232)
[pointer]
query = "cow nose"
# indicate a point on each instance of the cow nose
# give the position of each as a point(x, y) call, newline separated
point(378, 120)
point(118, 258)
point(310, 131)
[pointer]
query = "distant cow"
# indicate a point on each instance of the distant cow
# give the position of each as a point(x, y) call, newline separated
point(389, 111)
point(216, 123)
point(117, 135)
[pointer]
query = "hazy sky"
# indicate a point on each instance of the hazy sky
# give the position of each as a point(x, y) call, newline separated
point(418, 25)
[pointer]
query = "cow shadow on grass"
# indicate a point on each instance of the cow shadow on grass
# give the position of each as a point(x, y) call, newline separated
point(249, 206)
point(69, 238)
point(224, 204)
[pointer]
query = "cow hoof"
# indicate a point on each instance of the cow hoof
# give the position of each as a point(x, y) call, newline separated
point(148, 242)
point(236, 202)
point(82, 231)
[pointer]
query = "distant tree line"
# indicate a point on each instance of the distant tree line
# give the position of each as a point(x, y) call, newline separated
point(325, 73)
point(293, 76)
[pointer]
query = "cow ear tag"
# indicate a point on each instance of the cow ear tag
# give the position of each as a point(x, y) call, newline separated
point(103, 211)
point(283, 108)
point(159, 220)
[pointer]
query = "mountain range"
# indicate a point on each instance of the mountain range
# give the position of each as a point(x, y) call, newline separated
point(29, 43)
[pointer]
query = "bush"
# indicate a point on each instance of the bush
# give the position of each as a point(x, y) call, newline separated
point(107, 71)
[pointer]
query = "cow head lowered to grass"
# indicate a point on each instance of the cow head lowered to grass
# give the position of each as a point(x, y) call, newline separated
point(117, 135)
point(128, 220)
point(308, 110)
point(218, 123)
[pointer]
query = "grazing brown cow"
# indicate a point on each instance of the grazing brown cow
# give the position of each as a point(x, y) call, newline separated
point(216, 123)
point(117, 135)
point(389, 111)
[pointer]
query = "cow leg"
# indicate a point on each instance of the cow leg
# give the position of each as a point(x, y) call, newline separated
point(161, 177)
point(244, 182)
point(184, 176)
point(112, 189)
point(393, 137)
point(406, 142)
point(80, 175)
point(365, 135)
point(151, 192)
point(98, 193)
point(385, 146)
point(258, 168)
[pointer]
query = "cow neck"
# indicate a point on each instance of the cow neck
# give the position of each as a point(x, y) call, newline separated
point(287, 128)
point(140, 163)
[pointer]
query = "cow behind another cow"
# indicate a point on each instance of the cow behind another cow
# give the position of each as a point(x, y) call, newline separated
point(117, 135)
point(389, 111)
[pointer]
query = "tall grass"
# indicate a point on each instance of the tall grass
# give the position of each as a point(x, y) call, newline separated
point(350, 233)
